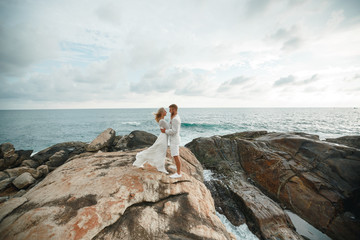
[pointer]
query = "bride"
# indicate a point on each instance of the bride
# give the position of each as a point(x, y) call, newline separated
point(156, 154)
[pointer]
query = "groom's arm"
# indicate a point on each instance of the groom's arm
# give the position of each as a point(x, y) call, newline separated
point(175, 128)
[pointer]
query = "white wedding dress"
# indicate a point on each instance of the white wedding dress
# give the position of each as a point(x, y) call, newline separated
point(156, 154)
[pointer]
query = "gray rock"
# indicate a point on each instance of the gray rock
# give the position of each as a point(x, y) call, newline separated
point(71, 148)
point(351, 141)
point(24, 180)
point(102, 142)
point(3, 175)
point(57, 159)
point(136, 139)
point(5, 183)
point(30, 163)
point(19, 193)
point(41, 171)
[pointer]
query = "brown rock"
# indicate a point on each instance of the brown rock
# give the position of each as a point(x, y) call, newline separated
point(10, 206)
point(103, 141)
point(103, 196)
point(24, 180)
point(15, 172)
point(317, 180)
point(30, 163)
point(3, 175)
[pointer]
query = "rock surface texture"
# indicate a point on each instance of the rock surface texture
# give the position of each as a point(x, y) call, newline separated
point(317, 180)
point(102, 196)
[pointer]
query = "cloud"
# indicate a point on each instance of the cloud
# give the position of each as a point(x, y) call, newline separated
point(284, 81)
point(256, 7)
point(292, 44)
point(227, 85)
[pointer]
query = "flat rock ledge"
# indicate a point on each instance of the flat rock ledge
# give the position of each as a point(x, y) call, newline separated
point(102, 196)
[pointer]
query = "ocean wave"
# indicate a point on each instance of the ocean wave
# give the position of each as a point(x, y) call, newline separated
point(131, 123)
point(208, 126)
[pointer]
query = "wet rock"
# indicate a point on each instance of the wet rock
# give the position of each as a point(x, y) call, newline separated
point(103, 141)
point(122, 201)
point(351, 141)
point(24, 180)
point(136, 139)
point(317, 180)
point(71, 148)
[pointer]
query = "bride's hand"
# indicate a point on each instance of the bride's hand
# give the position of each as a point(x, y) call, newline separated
point(162, 130)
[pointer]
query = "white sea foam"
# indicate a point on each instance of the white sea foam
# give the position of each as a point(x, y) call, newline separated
point(241, 232)
point(131, 123)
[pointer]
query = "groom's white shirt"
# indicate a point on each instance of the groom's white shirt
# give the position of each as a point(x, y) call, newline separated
point(174, 130)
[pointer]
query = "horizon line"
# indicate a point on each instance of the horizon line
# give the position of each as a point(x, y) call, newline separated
point(23, 109)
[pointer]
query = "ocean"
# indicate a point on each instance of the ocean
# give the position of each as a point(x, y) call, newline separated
point(39, 129)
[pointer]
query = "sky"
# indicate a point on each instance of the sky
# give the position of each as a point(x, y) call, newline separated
point(57, 54)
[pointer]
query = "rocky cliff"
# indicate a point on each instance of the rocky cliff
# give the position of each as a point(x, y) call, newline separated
point(318, 180)
point(100, 195)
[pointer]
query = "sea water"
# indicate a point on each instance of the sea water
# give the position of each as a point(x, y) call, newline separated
point(39, 129)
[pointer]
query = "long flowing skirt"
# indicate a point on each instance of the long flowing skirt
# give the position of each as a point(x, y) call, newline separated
point(154, 155)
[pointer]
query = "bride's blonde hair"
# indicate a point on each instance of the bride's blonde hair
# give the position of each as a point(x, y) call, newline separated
point(159, 113)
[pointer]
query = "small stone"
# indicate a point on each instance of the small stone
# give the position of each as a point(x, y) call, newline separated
point(24, 180)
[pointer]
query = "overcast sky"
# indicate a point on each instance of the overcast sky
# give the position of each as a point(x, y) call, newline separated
point(196, 53)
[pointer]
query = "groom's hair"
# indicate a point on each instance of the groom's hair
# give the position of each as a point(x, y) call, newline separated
point(174, 106)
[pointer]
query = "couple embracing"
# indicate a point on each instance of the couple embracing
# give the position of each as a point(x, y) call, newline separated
point(156, 154)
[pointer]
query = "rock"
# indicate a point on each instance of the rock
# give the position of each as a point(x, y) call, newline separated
point(19, 193)
point(103, 141)
point(57, 159)
point(3, 175)
point(5, 183)
point(29, 163)
point(11, 158)
point(317, 180)
point(22, 155)
point(136, 139)
point(351, 141)
point(6, 150)
point(41, 171)
point(71, 148)
point(10, 206)
point(24, 180)
point(15, 172)
point(103, 196)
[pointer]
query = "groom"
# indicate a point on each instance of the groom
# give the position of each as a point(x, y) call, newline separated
point(174, 136)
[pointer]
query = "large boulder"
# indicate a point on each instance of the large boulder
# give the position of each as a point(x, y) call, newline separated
point(317, 180)
point(102, 196)
point(70, 148)
point(24, 180)
point(351, 141)
point(10, 158)
point(136, 139)
point(103, 141)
